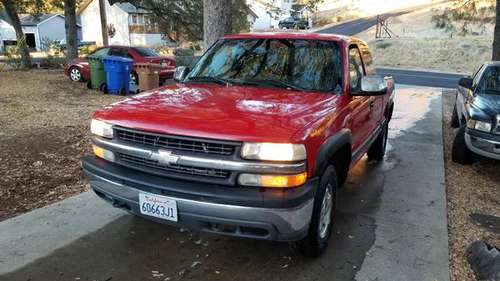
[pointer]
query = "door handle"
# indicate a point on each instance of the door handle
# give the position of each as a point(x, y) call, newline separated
point(372, 104)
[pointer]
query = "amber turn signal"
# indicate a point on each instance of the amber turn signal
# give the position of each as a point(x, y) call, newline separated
point(273, 181)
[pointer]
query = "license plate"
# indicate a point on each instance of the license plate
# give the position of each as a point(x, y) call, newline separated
point(158, 206)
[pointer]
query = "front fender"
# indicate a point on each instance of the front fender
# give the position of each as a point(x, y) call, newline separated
point(329, 148)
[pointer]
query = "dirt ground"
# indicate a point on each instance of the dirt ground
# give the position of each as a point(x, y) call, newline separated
point(419, 44)
point(44, 123)
point(470, 189)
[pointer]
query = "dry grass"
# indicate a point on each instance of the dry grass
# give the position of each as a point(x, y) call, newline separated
point(43, 133)
point(420, 45)
point(470, 189)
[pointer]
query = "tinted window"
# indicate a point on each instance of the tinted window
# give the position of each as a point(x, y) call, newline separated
point(146, 52)
point(306, 64)
point(355, 69)
point(121, 52)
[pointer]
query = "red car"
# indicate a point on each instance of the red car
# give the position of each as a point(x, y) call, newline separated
point(254, 141)
point(79, 70)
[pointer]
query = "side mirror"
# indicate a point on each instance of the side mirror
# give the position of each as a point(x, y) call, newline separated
point(180, 73)
point(372, 85)
point(465, 82)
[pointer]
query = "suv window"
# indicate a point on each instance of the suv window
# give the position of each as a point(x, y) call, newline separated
point(101, 52)
point(355, 69)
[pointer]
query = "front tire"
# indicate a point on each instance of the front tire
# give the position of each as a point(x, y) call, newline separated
point(322, 220)
point(75, 74)
point(460, 153)
point(377, 149)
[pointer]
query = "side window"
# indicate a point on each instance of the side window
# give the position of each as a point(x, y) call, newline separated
point(121, 52)
point(367, 59)
point(355, 69)
point(101, 52)
point(477, 76)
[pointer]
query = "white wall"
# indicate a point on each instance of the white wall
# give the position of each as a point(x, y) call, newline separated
point(145, 39)
point(7, 32)
point(91, 24)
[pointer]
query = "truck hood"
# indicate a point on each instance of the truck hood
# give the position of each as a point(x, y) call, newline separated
point(485, 106)
point(215, 111)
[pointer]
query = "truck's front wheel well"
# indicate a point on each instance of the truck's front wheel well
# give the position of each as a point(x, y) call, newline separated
point(341, 160)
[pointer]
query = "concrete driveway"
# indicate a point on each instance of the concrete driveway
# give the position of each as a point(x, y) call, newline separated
point(391, 225)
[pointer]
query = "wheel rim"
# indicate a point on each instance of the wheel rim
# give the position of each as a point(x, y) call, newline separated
point(326, 212)
point(75, 74)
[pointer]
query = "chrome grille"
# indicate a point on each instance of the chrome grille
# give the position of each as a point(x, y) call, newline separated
point(175, 142)
point(173, 168)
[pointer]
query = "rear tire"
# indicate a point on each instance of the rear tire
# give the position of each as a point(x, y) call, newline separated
point(460, 153)
point(322, 219)
point(377, 149)
point(455, 121)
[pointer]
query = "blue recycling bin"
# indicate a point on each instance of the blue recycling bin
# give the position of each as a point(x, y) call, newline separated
point(118, 71)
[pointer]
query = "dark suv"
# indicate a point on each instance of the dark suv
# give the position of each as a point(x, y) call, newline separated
point(293, 23)
point(477, 114)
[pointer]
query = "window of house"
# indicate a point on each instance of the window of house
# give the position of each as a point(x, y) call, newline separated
point(133, 19)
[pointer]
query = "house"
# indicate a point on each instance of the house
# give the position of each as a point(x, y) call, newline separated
point(127, 25)
point(39, 30)
point(269, 12)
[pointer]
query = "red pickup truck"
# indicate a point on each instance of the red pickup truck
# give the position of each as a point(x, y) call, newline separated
point(254, 141)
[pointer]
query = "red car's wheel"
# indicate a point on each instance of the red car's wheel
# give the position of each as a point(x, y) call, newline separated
point(75, 74)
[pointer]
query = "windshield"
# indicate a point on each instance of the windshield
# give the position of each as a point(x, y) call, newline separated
point(311, 65)
point(146, 52)
point(490, 81)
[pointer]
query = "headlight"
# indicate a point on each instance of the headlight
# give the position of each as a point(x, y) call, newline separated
point(273, 181)
point(273, 151)
point(479, 125)
point(101, 129)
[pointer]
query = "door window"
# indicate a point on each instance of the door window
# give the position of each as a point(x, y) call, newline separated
point(101, 52)
point(355, 69)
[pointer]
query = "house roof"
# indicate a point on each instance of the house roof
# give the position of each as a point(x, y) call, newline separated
point(30, 20)
point(122, 4)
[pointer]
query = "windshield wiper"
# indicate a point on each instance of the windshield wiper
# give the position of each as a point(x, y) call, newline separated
point(274, 83)
point(209, 79)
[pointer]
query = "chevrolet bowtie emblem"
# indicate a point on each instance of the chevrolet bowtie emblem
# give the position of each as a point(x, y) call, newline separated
point(165, 157)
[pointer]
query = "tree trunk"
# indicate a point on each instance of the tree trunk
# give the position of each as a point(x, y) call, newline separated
point(104, 22)
point(10, 9)
point(71, 33)
point(216, 20)
point(496, 38)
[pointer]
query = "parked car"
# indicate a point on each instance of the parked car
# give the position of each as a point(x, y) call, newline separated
point(293, 23)
point(477, 114)
point(79, 69)
point(253, 142)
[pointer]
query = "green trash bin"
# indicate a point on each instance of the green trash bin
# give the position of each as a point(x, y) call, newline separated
point(97, 73)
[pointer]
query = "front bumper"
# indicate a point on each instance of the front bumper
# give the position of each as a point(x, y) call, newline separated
point(484, 144)
point(237, 211)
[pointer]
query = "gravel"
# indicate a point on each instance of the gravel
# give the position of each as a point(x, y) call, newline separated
point(470, 189)
point(44, 121)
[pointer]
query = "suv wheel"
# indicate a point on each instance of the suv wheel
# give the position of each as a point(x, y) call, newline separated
point(377, 150)
point(322, 220)
point(455, 122)
point(460, 153)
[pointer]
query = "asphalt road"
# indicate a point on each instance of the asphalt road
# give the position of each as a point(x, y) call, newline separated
point(422, 78)
point(390, 225)
point(358, 25)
